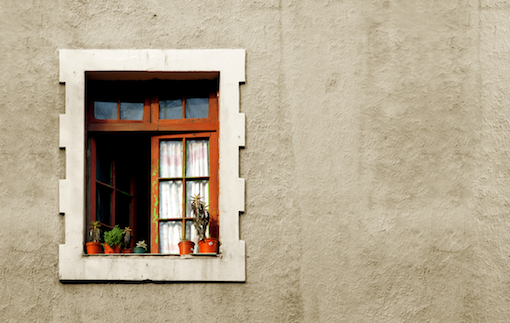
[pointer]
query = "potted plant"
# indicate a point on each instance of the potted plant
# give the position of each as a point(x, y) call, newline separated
point(94, 246)
point(127, 240)
point(141, 247)
point(113, 240)
point(186, 247)
point(200, 214)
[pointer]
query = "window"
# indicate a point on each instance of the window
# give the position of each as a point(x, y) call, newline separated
point(156, 138)
point(182, 166)
point(141, 134)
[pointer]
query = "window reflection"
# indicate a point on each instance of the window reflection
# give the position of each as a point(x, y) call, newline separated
point(197, 108)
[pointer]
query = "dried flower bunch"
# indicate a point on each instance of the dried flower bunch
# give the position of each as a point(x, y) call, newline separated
point(95, 231)
point(127, 236)
point(200, 214)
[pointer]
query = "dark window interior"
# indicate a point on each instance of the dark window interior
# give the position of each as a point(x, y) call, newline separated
point(123, 171)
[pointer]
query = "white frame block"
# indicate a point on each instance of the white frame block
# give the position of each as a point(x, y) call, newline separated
point(229, 265)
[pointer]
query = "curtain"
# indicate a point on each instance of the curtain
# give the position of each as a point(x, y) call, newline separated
point(171, 191)
point(170, 202)
point(170, 158)
point(169, 236)
point(197, 165)
point(197, 161)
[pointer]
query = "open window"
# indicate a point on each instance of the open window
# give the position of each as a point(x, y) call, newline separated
point(152, 145)
point(127, 111)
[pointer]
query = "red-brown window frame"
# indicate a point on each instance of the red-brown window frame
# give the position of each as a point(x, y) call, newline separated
point(212, 178)
point(150, 123)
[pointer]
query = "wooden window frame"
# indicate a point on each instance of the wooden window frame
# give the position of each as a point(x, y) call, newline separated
point(156, 178)
point(156, 128)
point(151, 121)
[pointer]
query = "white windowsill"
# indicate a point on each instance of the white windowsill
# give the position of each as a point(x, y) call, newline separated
point(229, 265)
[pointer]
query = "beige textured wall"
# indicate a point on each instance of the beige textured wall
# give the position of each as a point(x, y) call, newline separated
point(377, 159)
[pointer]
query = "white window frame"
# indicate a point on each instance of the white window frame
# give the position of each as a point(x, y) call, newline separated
point(229, 264)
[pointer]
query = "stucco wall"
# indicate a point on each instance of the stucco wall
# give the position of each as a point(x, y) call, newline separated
point(376, 162)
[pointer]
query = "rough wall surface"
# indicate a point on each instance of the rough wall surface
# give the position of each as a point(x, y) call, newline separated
point(376, 160)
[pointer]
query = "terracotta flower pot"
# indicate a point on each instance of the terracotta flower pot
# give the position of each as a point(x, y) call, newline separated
point(94, 248)
point(109, 250)
point(208, 245)
point(127, 250)
point(186, 247)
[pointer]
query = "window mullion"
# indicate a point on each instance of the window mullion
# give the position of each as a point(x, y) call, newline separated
point(155, 198)
point(184, 188)
point(93, 164)
point(118, 109)
point(183, 107)
point(154, 110)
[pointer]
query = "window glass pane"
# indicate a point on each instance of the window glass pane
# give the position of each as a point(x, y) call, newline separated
point(170, 158)
point(122, 208)
point(103, 166)
point(103, 204)
point(197, 108)
point(131, 110)
point(170, 234)
point(170, 109)
point(105, 110)
point(200, 187)
point(191, 234)
point(123, 172)
point(197, 158)
point(170, 199)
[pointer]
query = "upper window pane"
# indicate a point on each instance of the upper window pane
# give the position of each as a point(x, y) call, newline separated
point(105, 110)
point(170, 109)
point(103, 166)
point(170, 162)
point(197, 158)
point(197, 108)
point(131, 110)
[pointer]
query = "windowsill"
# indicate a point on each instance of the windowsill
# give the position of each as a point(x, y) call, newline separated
point(155, 255)
point(227, 266)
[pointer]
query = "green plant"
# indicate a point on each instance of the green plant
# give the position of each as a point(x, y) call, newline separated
point(142, 244)
point(95, 231)
point(114, 236)
point(200, 215)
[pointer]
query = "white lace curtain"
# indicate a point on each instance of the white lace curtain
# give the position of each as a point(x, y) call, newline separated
point(170, 191)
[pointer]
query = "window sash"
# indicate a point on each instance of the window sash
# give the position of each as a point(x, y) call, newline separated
point(116, 192)
point(185, 178)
